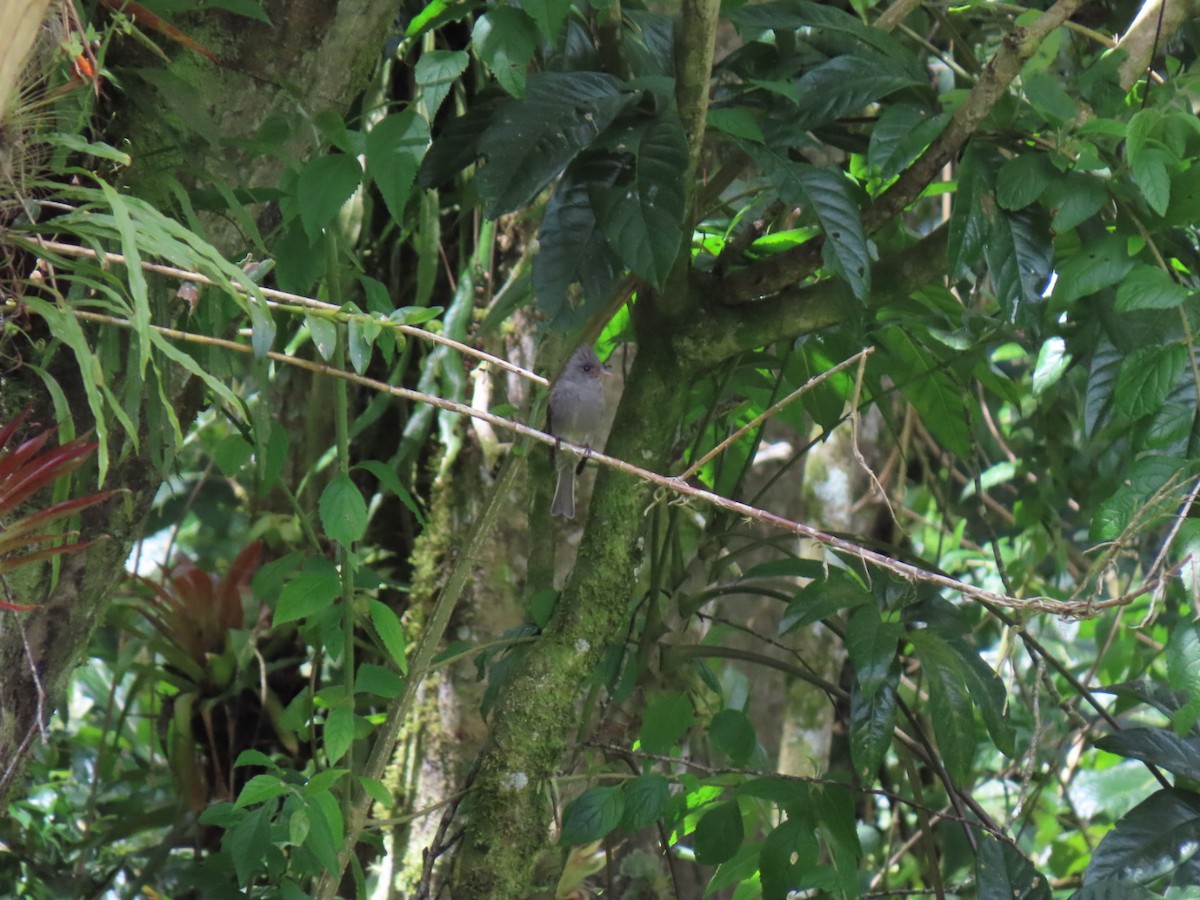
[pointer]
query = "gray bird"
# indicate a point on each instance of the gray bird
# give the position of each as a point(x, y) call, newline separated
point(576, 407)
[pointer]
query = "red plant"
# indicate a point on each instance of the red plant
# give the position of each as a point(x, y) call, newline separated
point(23, 472)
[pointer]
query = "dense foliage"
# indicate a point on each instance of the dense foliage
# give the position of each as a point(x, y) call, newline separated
point(958, 243)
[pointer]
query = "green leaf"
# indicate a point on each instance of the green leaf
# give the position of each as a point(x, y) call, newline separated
point(1098, 264)
point(737, 121)
point(1116, 889)
point(322, 189)
point(530, 141)
point(390, 632)
point(504, 38)
point(248, 841)
point(645, 800)
point(1003, 873)
point(846, 84)
point(1149, 287)
point(642, 214)
point(822, 598)
point(1165, 749)
point(733, 735)
point(1076, 199)
point(1019, 255)
point(872, 644)
point(395, 147)
point(324, 334)
point(872, 724)
point(718, 834)
point(665, 722)
point(299, 826)
point(435, 73)
point(1044, 90)
point(1152, 840)
point(1183, 672)
point(338, 733)
point(1023, 179)
point(952, 659)
point(591, 816)
point(829, 195)
point(549, 16)
point(311, 591)
point(574, 271)
point(901, 134)
point(1152, 179)
point(789, 854)
point(261, 788)
point(231, 453)
point(388, 479)
point(1053, 360)
point(969, 223)
point(343, 510)
point(378, 680)
point(378, 791)
point(1147, 376)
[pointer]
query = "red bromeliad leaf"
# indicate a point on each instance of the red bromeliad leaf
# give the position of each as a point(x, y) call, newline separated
point(23, 472)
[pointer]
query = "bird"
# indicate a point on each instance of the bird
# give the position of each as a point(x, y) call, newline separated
point(576, 408)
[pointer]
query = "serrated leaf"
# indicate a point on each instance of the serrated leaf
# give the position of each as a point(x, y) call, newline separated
point(1147, 376)
point(390, 631)
point(504, 38)
point(549, 16)
point(343, 510)
point(1149, 287)
point(645, 800)
point(247, 842)
point(718, 834)
point(322, 189)
point(1078, 198)
point(309, 592)
point(434, 74)
point(338, 733)
point(530, 141)
point(395, 147)
point(1152, 840)
point(591, 815)
point(732, 734)
point(642, 214)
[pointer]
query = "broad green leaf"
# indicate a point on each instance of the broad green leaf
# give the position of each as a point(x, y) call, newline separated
point(872, 724)
point(395, 147)
point(390, 631)
point(231, 453)
point(1044, 90)
point(1147, 377)
point(343, 510)
point(737, 121)
point(789, 15)
point(1097, 264)
point(530, 141)
point(1149, 287)
point(1075, 199)
point(439, 12)
point(642, 214)
point(261, 788)
point(732, 734)
point(1023, 179)
point(248, 841)
point(831, 198)
point(1053, 360)
point(1102, 380)
point(788, 854)
point(1152, 840)
point(549, 16)
point(1003, 873)
point(434, 74)
point(835, 821)
point(378, 680)
point(664, 723)
point(361, 333)
point(969, 224)
point(718, 834)
point(323, 187)
point(299, 826)
point(591, 816)
point(309, 592)
point(389, 480)
point(1165, 749)
point(645, 800)
point(1183, 672)
point(574, 271)
point(1115, 889)
point(872, 644)
point(902, 132)
point(325, 834)
point(504, 38)
point(324, 334)
point(821, 599)
point(846, 84)
point(1151, 176)
point(338, 733)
